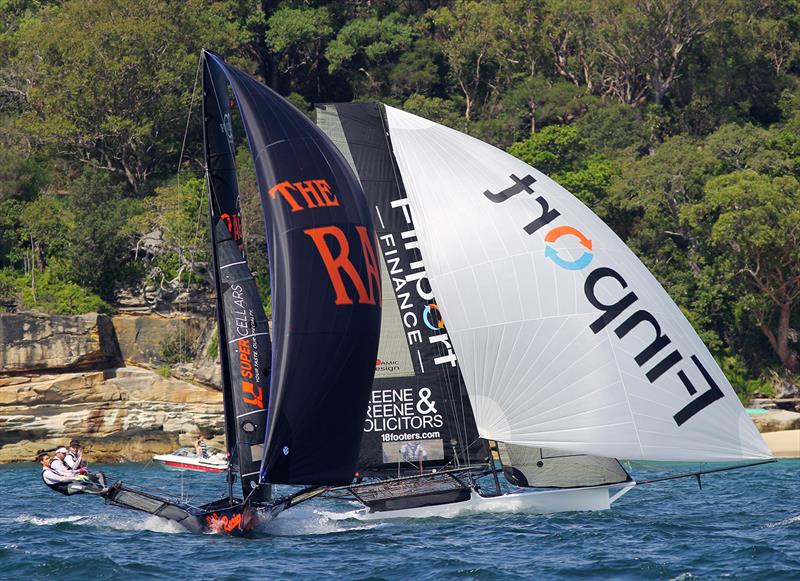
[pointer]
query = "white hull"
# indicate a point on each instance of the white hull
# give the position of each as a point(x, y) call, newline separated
point(523, 502)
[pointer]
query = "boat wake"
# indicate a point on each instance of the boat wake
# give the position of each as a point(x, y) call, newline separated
point(43, 521)
point(306, 520)
point(792, 520)
point(152, 523)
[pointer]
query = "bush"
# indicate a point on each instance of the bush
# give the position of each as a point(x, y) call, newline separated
point(51, 293)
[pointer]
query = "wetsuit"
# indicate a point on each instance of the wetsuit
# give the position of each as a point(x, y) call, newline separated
point(72, 464)
point(59, 482)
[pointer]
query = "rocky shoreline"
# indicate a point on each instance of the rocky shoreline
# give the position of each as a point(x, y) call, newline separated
point(137, 384)
point(128, 386)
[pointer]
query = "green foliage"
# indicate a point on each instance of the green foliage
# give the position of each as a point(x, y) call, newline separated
point(164, 371)
point(560, 153)
point(363, 47)
point(114, 96)
point(213, 346)
point(677, 122)
point(51, 292)
point(104, 231)
point(175, 349)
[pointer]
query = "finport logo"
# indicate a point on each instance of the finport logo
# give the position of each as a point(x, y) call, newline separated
point(629, 305)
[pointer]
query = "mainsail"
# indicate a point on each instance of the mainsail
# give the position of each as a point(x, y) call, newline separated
point(564, 338)
point(325, 283)
point(419, 414)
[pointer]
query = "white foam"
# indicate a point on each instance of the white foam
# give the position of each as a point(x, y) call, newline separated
point(44, 521)
point(130, 523)
point(306, 520)
point(785, 522)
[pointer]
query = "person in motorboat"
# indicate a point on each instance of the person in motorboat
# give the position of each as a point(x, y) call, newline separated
point(65, 483)
point(75, 462)
point(200, 447)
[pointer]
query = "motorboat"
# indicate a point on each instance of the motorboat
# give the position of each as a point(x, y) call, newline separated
point(187, 459)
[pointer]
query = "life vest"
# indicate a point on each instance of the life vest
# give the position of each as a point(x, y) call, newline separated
point(62, 487)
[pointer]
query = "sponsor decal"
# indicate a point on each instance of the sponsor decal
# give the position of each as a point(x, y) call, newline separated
point(412, 289)
point(224, 523)
point(336, 266)
point(234, 224)
point(305, 194)
point(402, 409)
point(432, 318)
point(247, 348)
point(625, 314)
point(386, 366)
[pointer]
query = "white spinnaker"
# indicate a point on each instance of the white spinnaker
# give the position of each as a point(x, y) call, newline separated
point(519, 322)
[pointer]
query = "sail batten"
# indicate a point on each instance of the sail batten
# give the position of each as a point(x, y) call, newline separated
point(598, 346)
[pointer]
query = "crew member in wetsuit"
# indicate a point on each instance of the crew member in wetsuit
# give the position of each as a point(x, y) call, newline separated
point(65, 483)
point(75, 462)
point(74, 458)
point(57, 462)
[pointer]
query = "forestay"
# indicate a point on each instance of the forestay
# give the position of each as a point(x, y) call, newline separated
point(564, 338)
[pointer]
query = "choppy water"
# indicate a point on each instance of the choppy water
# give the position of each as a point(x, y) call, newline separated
point(743, 524)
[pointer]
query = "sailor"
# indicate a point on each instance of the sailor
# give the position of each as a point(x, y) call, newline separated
point(58, 464)
point(75, 462)
point(65, 483)
point(74, 458)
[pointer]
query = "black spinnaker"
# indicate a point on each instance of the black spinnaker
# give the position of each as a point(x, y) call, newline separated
point(326, 290)
point(294, 410)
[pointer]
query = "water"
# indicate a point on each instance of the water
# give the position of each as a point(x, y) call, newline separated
point(743, 524)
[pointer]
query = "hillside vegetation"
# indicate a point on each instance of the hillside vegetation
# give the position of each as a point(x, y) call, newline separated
point(677, 121)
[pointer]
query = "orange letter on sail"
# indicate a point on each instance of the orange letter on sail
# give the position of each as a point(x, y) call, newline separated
point(373, 273)
point(340, 262)
point(285, 189)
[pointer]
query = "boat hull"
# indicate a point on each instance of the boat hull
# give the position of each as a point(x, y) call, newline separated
point(175, 462)
point(224, 516)
point(524, 502)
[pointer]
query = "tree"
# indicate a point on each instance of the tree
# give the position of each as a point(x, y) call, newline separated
point(560, 153)
point(753, 222)
point(115, 95)
point(471, 36)
point(364, 47)
point(298, 37)
point(102, 239)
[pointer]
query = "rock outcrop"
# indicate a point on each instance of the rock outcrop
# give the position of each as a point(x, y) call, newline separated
point(37, 342)
point(777, 420)
point(119, 414)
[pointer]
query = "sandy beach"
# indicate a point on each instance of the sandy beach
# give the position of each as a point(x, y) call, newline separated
point(783, 444)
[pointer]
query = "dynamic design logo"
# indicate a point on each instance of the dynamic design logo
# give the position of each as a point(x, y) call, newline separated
point(611, 312)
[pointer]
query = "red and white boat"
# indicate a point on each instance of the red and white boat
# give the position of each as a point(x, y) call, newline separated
point(187, 459)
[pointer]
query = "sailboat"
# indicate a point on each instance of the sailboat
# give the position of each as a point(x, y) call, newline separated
point(571, 354)
point(294, 401)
